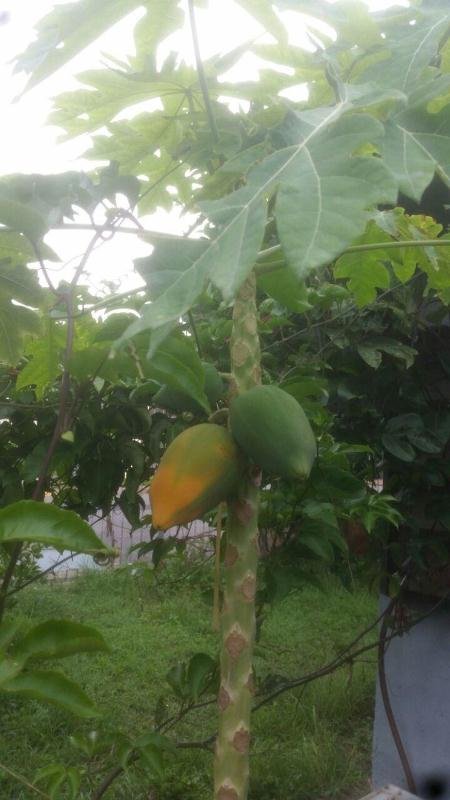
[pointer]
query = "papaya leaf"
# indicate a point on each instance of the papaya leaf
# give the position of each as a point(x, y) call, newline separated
point(44, 523)
point(21, 217)
point(408, 55)
point(415, 146)
point(53, 687)
point(321, 207)
point(262, 10)
point(67, 30)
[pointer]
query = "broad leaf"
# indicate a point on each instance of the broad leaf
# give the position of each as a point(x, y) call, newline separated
point(67, 30)
point(52, 687)
point(321, 207)
point(200, 672)
point(21, 217)
point(399, 447)
point(408, 54)
point(16, 322)
point(262, 10)
point(415, 146)
point(44, 523)
point(177, 364)
point(161, 18)
point(58, 638)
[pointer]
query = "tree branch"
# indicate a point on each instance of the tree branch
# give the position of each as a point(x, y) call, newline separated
point(24, 781)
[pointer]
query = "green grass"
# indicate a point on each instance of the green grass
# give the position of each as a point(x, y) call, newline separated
point(311, 743)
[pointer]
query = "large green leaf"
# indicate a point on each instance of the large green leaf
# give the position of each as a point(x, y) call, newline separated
point(52, 687)
point(416, 145)
point(20, 216)
point(410, 52)
point(322, 204)
point(16, 249)
point(262, 10)
point(29, 521)
point(176, 364)
point(57, 638)
point(44, 364)
point(321, 208)
point(67, 30)
point(162, 17)
point(110, 91)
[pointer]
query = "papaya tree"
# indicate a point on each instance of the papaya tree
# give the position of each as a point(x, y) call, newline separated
point(289, 195)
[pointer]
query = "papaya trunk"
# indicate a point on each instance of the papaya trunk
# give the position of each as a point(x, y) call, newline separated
point(241, 558)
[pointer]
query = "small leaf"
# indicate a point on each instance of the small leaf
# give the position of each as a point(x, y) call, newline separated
point(200, 671)
point(370, 355)
point(399, 448)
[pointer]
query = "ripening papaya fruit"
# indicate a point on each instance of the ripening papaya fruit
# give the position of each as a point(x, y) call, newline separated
point(199, 469)
point(272, 429)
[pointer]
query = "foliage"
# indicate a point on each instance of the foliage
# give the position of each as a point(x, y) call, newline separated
point(156, 628)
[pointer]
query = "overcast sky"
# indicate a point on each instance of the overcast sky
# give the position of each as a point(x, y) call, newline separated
point(29, 145)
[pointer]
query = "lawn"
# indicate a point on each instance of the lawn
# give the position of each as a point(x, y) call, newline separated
point(312, 742)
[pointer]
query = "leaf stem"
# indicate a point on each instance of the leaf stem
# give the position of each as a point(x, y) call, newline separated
point(263, 269)
point(201, 72)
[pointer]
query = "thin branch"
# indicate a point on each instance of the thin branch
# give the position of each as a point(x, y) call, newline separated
point(23, 781)
point(276, 249)
point(201, 72)
point(194, 332)
point(389, 711)
point(38, 255)
point(39, 575)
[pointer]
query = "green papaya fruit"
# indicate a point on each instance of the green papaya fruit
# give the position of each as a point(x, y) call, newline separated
point(272, 429)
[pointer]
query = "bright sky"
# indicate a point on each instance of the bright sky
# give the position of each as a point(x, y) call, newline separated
point(29, 145)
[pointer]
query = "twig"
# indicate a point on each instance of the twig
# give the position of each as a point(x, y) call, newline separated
point(194, 332)
point(388, 708)
point(39, 575)
point(50, 283)
point(24, 781)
